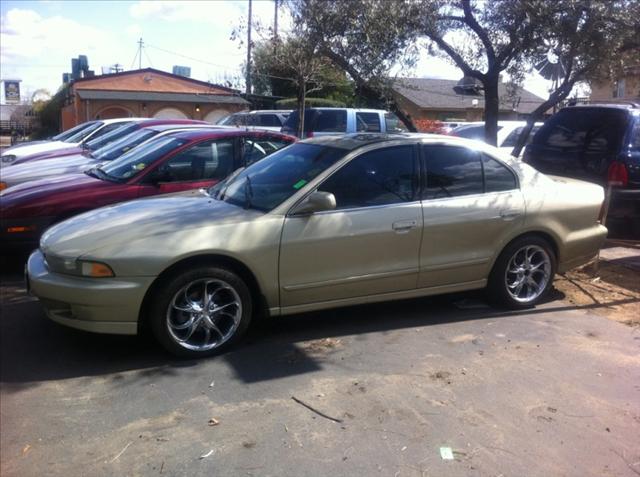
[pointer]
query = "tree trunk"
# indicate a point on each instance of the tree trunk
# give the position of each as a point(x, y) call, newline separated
point(302, 93)
point(554, 98)
point(491, 109)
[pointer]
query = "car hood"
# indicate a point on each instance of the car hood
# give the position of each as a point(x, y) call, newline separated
point(64, 152)
point(138, 220)
point(38, 148)
point(39, 189)
point(29, 171)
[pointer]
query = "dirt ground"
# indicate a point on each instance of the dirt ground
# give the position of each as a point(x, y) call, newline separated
point(611, 289)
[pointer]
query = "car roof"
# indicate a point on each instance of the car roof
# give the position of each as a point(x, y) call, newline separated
point(215, 132)
point(122, 120)
point(625, 106)
point(168, 127)
point(355, 140)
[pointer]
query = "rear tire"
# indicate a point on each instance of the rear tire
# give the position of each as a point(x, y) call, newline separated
point(523, 273)
point(200, 312)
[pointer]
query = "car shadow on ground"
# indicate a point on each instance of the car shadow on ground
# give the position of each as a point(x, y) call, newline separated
point(34, 349)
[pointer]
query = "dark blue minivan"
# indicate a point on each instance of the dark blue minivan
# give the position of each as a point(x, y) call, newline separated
point(598, 143)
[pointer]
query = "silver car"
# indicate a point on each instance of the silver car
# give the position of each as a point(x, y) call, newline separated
point(323, 223)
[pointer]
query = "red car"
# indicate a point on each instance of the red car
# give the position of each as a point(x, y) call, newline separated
point(103, 140)
point(171, 163)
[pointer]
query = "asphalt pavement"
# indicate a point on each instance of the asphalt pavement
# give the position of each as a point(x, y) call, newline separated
point(392, 389)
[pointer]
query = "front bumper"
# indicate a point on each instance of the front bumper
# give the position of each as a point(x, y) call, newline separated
point(99, 305)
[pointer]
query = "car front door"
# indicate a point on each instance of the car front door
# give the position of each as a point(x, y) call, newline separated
point(201, 165)
point(472, 204)
point(369, 244)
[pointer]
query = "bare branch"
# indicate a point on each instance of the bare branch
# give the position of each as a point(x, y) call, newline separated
point(481, 32)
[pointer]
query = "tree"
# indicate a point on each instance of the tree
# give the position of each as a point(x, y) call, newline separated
point(367, 39)
point(592, 41)
point(485, 39)
point(273, 75)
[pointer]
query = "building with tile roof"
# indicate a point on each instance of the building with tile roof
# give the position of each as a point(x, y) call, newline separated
point(436, 99)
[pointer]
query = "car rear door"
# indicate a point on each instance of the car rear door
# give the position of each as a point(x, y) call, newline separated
point(471, 206)
point(369, 244)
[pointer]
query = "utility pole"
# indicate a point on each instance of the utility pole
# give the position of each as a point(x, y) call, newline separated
point(140, 43)
point(248, 81)
point(275, 26)
point(275, 20)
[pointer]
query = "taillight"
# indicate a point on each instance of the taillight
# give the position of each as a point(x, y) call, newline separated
point(309, 134)
point(617, 175)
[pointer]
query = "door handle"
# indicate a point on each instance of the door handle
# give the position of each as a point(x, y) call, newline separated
point(509, 214)
point(403, 226)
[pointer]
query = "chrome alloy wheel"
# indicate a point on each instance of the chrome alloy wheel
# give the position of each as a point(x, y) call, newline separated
point(528, 273)
point(204, 314)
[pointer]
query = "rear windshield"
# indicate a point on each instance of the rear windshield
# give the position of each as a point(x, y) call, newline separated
point(319, 120)
point(577, 129)
point(472, 132)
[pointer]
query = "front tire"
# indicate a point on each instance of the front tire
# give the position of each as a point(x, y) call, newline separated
point(200, 312)
point(523, 273)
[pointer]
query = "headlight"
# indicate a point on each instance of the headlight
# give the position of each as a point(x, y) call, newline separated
point(83, 268)
point(7, 158)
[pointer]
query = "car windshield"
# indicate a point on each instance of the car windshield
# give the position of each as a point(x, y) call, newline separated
point(269, 182)
point(137, 160)
point(117, 148)
point(84, 132)
point(64, 136)
point(122, 131)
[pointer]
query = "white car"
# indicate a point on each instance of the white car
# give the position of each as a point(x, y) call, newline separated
point(267, 119)
point(508, 132)
point(83, 133)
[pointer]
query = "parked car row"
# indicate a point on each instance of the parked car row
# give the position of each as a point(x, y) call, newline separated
point(246, 222)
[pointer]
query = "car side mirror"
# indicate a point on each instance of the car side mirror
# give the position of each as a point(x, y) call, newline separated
point(316, 202)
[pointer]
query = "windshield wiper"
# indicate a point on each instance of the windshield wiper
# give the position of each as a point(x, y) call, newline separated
point(248, 192)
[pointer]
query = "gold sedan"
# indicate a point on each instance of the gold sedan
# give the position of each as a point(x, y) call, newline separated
point(326, 222)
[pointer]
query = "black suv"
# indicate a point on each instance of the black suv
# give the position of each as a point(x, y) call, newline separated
point(597, 143)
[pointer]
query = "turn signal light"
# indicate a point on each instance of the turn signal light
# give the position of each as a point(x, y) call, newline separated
point(617, 175)
point(96, 269)
point(3, 186)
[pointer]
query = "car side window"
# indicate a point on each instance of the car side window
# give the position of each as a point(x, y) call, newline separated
point(452, 171)
point(205, 160)
point(380, 177)
point(393, 123)
point(269, 120)
point(497, 177)
point(328, 120)
point(367, 122)
point(257, 148)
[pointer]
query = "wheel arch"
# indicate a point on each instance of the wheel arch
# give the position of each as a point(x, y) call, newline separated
point(233, 264)
point(546, 236)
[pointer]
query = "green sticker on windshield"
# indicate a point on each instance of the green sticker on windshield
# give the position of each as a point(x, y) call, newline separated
point(299, 184)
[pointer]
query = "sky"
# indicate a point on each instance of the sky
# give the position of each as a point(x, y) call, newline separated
point(39, 38)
